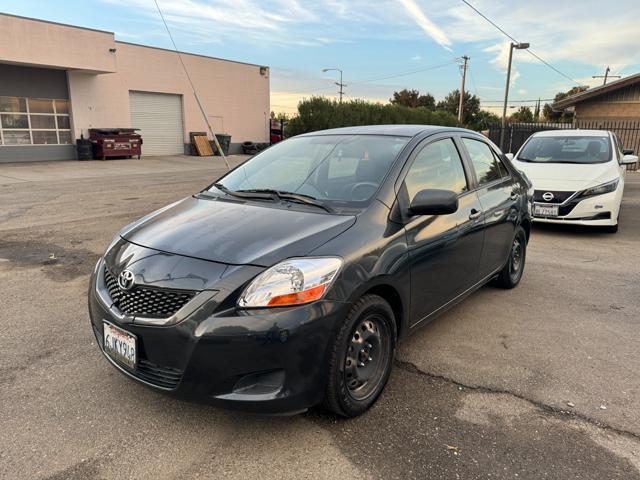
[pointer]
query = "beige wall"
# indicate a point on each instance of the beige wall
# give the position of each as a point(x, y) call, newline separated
point(595, 110)
point(37, 43)
point(235, 95)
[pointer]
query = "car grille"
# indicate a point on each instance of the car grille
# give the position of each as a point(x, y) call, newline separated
point(145, 301)
point(558, 197)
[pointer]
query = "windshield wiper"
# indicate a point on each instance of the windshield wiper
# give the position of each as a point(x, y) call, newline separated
point(267, 195)
point(296, 197)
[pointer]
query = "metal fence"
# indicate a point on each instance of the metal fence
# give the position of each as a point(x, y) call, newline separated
point(517, 133)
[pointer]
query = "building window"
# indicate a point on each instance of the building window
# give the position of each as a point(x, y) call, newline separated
point(34, 121)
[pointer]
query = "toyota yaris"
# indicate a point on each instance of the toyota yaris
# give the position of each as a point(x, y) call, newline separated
point(578, 176)
point(288, 281)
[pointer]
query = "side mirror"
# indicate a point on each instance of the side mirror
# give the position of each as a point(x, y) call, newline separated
point(627, 151)
point(629, 160)
point(509, 156)
point(434, 202)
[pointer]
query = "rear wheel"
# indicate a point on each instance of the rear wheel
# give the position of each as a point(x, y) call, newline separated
point(510, 275)
point(361, 358)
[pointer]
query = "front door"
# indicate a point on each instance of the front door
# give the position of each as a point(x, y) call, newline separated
point(445, 249)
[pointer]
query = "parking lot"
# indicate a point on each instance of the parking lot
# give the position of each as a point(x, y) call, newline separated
point(538, 382)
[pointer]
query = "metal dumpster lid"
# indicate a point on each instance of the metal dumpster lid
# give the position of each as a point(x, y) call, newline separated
point(113, 130)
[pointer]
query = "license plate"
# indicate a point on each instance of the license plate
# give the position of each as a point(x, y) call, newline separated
point(122, 146)
point(545, 210)
point(119, 344)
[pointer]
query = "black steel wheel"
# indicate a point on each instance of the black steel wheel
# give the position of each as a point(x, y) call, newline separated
point(511, 274)
point(361, 357)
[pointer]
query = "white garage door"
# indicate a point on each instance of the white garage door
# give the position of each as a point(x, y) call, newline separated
point(159, 118)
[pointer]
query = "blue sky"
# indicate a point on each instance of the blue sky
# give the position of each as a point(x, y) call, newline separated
point(381, 45)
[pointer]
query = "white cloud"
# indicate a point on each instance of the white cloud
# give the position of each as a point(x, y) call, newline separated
point(430, 28)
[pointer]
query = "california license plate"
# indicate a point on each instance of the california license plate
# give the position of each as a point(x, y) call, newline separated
point(545, 210)
point(119, 344)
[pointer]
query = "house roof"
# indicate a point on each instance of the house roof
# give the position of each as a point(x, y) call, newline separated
point(596, 91)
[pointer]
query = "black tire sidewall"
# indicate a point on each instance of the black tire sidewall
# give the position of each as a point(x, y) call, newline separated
point(345, 403)
point(520, 233)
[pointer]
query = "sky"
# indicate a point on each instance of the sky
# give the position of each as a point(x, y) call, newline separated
point(381, 45)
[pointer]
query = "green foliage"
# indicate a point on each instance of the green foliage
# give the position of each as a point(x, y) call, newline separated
point(452, 101)
point(551, 116)
point(522, 115)
point(483, 120)
point(413, 99)
point(319, 113)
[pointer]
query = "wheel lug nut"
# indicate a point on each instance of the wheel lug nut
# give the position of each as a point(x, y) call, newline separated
point(369, 346)
point(370, 358)
point(360, 364)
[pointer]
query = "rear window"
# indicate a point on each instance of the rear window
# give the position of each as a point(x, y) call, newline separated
point(567, 149)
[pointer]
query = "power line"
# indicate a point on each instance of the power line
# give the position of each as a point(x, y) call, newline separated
point(512, 38)
point(374, 79)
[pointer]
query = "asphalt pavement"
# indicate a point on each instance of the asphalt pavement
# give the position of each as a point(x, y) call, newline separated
point(540, 382)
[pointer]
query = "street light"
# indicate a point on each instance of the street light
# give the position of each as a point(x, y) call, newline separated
point(341, 85)
point(517, 46)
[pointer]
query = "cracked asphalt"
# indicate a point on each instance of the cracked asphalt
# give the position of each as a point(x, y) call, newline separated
point(541, 382)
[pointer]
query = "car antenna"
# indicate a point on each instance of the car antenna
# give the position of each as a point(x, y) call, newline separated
point(195, 94)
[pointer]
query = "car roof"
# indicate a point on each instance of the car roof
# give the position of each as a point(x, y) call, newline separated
point(572, 133)
point(397, 130)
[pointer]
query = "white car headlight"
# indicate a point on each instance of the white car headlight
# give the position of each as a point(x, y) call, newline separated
point(291, 282)
point(600, 189)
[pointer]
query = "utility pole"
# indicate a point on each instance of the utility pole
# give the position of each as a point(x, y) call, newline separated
point(606, 75)
point(464, 76)
point(340, 84)
point(517, 46)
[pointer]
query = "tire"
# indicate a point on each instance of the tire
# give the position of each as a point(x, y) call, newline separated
point(510, 275)
point(361, 357)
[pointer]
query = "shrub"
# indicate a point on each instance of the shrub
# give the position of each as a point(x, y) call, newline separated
point(319, 113)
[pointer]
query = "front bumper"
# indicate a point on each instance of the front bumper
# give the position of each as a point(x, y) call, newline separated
point(266, 361)
point(599, 210)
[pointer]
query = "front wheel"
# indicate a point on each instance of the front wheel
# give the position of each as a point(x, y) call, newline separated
point(361, 358)
point(510, 275)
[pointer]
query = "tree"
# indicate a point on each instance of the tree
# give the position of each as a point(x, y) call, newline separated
point(413, 99)
point(522, 115)
point(452, 101)
point(551, 116)
point(483, 120)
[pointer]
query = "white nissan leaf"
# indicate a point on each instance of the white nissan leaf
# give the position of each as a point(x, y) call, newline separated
point(577, 176)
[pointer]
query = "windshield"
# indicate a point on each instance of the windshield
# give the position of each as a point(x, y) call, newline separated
point(569, 149)
point(341, 170)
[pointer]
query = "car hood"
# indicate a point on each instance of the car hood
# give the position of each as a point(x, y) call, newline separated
point(567, 176)
point(235, 233)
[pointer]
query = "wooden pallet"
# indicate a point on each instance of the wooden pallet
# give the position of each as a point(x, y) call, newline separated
point(203, 147)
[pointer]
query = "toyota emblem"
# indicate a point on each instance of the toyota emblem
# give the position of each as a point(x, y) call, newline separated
point(126, 280)
point(547, 196)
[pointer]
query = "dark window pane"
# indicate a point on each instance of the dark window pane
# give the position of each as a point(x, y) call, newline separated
point(44, 138)
point(40, 105)
point(63, 122)
point(13, 104)
point(65, 137)
point(484, 161)
point(62, 106)
point(16, 137)
point(10, 120)
point(43, 121)
point(438, 166)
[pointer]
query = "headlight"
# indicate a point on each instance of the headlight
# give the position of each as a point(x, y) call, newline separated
point(600, 189)
point(291, 282)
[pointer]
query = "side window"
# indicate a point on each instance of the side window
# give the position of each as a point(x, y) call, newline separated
point(488, 168)
point(438, 165)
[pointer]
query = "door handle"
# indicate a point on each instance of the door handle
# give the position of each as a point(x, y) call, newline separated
point(474, 214)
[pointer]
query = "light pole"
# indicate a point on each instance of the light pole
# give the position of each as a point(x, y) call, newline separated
point(340, 84)
point(517, 46)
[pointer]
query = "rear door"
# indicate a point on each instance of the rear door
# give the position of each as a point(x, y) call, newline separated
point(445, 249)
point(498, 192)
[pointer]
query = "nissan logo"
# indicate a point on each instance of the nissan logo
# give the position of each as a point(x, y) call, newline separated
point(547, 196)
point(126, 280)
